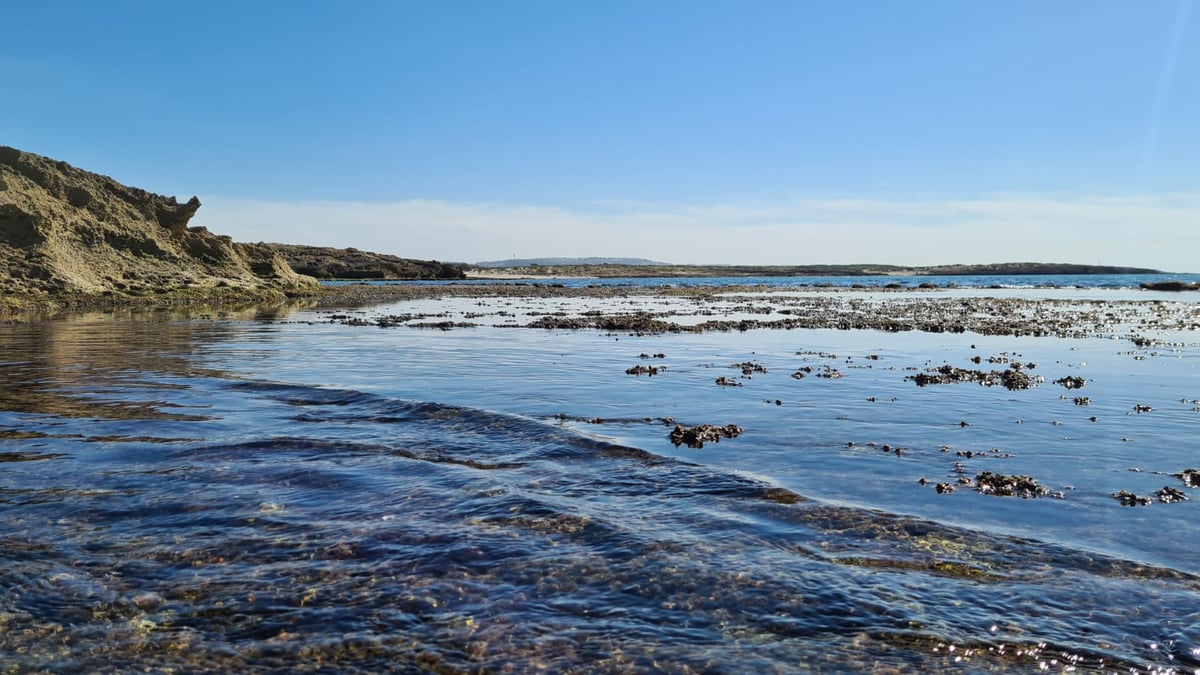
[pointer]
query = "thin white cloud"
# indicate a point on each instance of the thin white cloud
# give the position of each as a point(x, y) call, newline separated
point(1160, 232)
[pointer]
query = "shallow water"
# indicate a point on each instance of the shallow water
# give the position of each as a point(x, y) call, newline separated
point(278, 491)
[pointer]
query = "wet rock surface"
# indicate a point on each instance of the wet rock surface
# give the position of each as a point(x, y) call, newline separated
point(1012, 378)
point(698, 310)
point(1071, 382)
point(697, 436)
point(1002, 485)
point(636, 324)
point(1190, 477)
point(1165, 495)
point(1171, 286)
point(1128, 498)
point(1168, 495)
point(750, 368)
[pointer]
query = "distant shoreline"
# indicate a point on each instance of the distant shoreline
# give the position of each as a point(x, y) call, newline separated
point(491, 275)
point(573, 271)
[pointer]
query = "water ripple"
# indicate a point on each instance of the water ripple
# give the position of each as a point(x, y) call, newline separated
point(345, 530)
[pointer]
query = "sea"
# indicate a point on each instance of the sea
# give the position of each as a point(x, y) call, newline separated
point(279, 489)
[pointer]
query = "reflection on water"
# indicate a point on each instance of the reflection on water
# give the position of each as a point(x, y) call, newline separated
point(63, 367)
point(168, 504)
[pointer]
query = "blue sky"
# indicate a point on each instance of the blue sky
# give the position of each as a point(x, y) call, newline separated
point(793, 132)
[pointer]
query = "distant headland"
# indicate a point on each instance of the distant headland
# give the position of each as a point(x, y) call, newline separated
point(70, 238)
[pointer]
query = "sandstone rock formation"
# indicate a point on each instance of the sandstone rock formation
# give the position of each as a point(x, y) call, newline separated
point(68, 231)
point(351, 263)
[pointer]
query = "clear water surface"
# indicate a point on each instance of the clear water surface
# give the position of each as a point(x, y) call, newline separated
point(276, 491)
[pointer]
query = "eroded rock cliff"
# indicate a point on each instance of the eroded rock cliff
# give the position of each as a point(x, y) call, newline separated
point(64, 230)
point(351, 263)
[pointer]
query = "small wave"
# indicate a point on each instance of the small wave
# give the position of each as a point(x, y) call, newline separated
point(493, 541)
point(489, 441)
point(30, 456)
point(460, 431)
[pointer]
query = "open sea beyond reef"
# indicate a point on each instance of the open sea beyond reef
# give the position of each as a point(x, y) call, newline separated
point(321, 489)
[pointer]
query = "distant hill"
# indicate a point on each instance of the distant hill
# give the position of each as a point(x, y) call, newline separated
point(528, 262)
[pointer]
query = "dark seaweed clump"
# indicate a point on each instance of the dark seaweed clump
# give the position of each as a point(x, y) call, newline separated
point(749, 368)
point(695, 437)
point(1165, 495)
point(1003, 485)
point(1070, 382)
point(1011, 378)
point(1128, 498)
point(1190, 477)
point(1169, 495)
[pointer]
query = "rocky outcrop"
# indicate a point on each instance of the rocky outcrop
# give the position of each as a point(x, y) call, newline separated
point(64, 230)
point(351, 263)
point(1171, 285)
